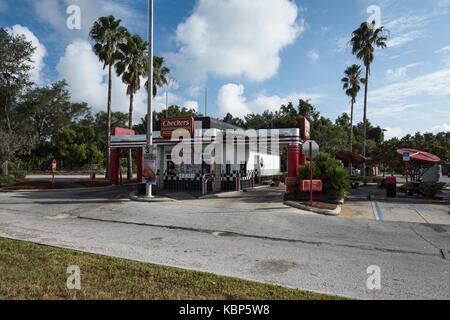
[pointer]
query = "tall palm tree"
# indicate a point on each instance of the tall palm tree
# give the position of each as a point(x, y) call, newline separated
point(364, 41)
point(352, 86)
point(108, 34)
point(161, 74)
point(132, 66)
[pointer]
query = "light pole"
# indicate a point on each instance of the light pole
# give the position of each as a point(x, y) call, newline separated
point(150, 88)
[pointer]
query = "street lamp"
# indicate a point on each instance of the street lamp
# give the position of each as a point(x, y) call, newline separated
point(150, 88)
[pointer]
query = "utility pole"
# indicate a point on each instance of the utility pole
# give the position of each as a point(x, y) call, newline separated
point(206, 102)
point(167, 104)
point(150, 87)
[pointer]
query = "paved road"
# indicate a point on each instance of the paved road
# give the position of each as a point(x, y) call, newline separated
point(253, 237)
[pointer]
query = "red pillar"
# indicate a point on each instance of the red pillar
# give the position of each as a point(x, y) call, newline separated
point(293, 163)
point(114, 167)
point(139, 165)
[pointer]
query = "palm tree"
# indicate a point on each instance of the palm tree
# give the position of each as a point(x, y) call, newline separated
point(108, 34)
point(132, 66)
point(364, 40)
point(161, 75)
point(352, 85)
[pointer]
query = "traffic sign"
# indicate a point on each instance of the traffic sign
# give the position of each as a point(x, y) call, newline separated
point(54, 166)
point(406, 156)
point(305, 185)
point(309, 146)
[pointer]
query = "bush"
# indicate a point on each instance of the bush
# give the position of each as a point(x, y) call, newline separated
point(283, 176)
point(377, 179)
point(11, 166)
point(335, 179)
point(365, 180)
point(19, 174)
point(6, 181)
point(431, 189)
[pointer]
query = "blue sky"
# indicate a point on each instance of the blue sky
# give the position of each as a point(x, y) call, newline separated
point(255, 55)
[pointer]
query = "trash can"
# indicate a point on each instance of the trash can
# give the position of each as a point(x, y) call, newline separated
point(391, 187)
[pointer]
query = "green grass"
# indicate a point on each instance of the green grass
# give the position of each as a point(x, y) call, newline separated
point(30, 271)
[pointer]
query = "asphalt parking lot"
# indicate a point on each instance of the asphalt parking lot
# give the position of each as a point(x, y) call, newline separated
point(401, 212)
point(250, 235)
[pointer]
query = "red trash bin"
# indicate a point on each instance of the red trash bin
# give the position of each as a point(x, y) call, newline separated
point(391, 187)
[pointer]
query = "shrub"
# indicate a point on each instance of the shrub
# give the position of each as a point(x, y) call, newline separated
point(19, 174)
point(365, 180)
point(11, 166)
point(6, 181)
point(283, 176)
point(377, 179)
point(335, 179)
point(431, 189)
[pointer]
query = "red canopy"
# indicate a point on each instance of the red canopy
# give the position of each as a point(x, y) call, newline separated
point(350, 157)
point(419, 155)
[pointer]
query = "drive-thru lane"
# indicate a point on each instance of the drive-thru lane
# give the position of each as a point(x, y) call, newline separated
point(257, 240)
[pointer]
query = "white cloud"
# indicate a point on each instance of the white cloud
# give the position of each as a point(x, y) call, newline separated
point(444, 3)
point(400, 40)
point(88, 83)
point(405, 29)
point(39, 54)
point(85, 75)
point(231, 99)
point(51, 12)
point(54, 13)
point(395, 110)
point(393, 133)
point(444, 50)
point(400, 72)
point(341, 44)
point(190, 105)
point(313, 55)
point(441, 128)
point(235, 38)
point(435, 84)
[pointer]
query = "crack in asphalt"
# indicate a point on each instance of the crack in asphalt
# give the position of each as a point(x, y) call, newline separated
point(243, 235)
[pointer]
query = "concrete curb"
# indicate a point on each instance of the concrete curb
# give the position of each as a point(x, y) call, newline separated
point(335, 212)
point(396, 200)
point(134, 197)
point(60, 190)
point(231, 193)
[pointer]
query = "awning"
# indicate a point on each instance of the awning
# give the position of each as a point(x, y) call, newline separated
point(419, 155)
point(350, 157)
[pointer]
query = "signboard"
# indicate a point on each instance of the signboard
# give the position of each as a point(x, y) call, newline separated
point(54, 166)
point(148, 166)
point(305, 185)
point(186, 176)
point(306, 149)
point(305, 129)
point(123, 132)
point(406, 156)
point(169, 126)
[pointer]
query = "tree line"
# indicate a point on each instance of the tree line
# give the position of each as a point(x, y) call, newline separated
point(38, 124)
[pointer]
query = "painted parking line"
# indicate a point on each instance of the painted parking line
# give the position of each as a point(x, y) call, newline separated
point(378, 211)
